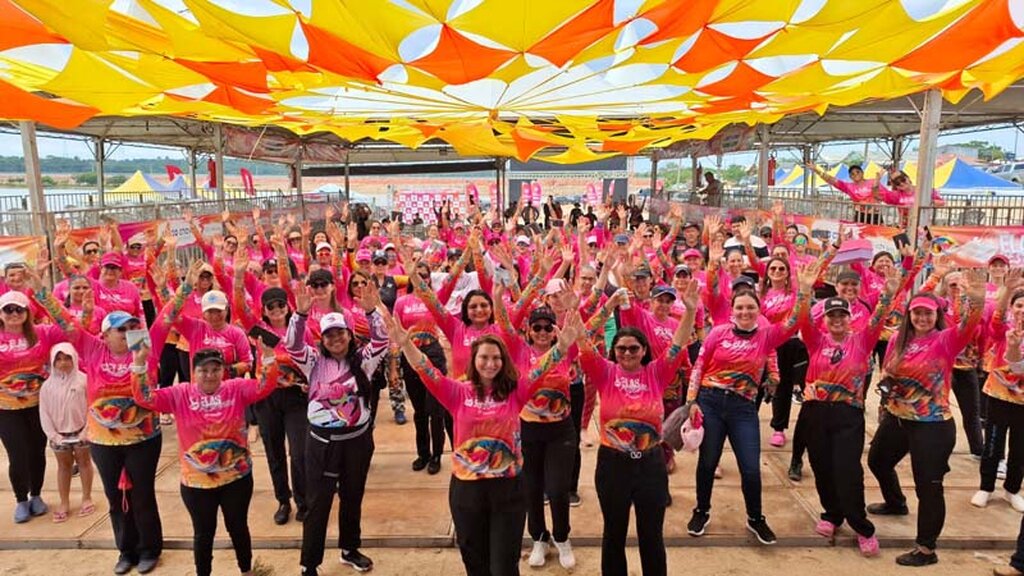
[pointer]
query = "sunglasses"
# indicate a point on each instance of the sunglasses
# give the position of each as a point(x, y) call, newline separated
point(777, 269)
point(206, 276)
point(357, 283)
point(319, 284)
point(543, 328)
point(135, 246)
point(900, 181)
point(295, 238)
point(14, 309)
point(588, 279)
point(276, 304)
point(682, 274)
point(92, 251)
point(231, 243)
point(648, 235)
point(111, 267)
point(631, 349)
point(128, 326)
point(766, 235)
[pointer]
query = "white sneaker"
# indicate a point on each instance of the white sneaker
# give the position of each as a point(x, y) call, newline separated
point(565, 556)
point(1015, 500)
point(980, 498)
point(539, 554)
point(1001, 470)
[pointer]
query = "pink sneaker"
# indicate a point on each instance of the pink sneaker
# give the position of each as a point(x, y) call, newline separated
point(868, 546)
point(778, 439)
point(826, 528)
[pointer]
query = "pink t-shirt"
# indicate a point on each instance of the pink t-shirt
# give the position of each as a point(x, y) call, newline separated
point(836, 370)
point(1002, 383)
point(123, 296)
point(550, 399)
point(659, 333)
point(413, 314)
point(777, 304)
point(96, 323)
point(859, 192)
point(631, 402)
point(213, 447)
point(230, 339)
point(734, 362)
point(24, 367)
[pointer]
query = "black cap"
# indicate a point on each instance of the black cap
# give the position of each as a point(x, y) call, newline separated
point(848, 276)
point(454, 253)
point(691, 225)
point(542, 313)
point(273, 295)
point(742, 281)
point(642, 272)
point(207, 355)
point(682, 269)
point(380, 256)
point(662, 290)
point(837, 304)
point(269, 264)
point(320, 275)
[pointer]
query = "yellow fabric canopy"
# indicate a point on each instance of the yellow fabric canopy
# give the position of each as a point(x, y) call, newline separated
point(590, 78)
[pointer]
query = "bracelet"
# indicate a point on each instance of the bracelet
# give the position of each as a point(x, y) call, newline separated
point(136, 369)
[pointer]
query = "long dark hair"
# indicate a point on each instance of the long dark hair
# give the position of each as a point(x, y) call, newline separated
point(766, 283)
point(355, 364)
point(505, 382)
point(470, 296)
point(906, 330)
point(635, 333)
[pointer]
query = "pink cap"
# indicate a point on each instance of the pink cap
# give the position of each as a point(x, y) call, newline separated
point(363, 255)
point(923, 302)
point(692, 253)
point(112, 259)
point(999, 257)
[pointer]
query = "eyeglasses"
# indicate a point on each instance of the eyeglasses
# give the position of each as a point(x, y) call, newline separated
point(14, 309)
point(276, 304)
point(837, 356)
point(231, 243)
point(315, 285)
point(92, 251)
point(543, 328)
point(777, 269)
point(630, 349)
point(648, 235)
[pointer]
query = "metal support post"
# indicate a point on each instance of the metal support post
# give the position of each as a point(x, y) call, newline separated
point(33, 177)
point(218, 142)
point(926, 154)
point(762, 165)
point(101, 156)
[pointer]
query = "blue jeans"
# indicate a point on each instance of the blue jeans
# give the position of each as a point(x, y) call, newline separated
point(727, 415)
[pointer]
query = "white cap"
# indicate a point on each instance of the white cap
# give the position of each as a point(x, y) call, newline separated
point(389, 246)
point(592, 239)
point(138, 238)
point(324, 246)
point(332, 321)
point(214, 300)
point(521, 239)
point(554, 286)
point(14, 297)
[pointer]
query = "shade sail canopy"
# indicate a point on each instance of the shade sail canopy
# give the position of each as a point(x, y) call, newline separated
point(567, 81)
point(957, 174)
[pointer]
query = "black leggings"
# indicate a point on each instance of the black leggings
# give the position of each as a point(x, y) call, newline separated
point(169, 365)
point(429, 416)
point(835, 443)
point(1005, 421)
point(280, 416)
point(623, 483)
point(792, 372)
point(968, 398)
point(184, 367)
point(577, 397)
point(138, 532)
point(23, 438)
point(548, 451)
point(202, 504)
point(488, 516)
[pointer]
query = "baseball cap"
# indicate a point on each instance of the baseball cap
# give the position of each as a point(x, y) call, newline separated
point(380, 256)
point(691, 225)
point(208, 355)
point(269, 264)
point(837, 304)
point(999, 257)
point(363, 255)
point(273, 295)
point(642, 272)
point(320, 276)
point(848, 276)
point(692, 253)
point(663, 290)
point(521, 239)
point(682, 268)
point(112, 259)
point(923, 302)
point(138, 238)
point(14, 297)
point(333, 321)
point(116, 319)
point(214, 300)
point(554, 286)
point(592, 239)
point(542, 313)
point(742, 281)
point(324, 246)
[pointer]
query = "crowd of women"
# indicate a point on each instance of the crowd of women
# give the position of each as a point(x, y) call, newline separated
point(507, 339)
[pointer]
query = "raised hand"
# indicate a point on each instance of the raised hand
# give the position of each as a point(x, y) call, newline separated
point(329, 212)
point(691, 295)
point(303, 299)
point(712, 224)
point(306, 228)
point(573, 329)
point(241, 262)
point(187, 216)
point(807, 275)
point(975, 284)
point(140, 356)
point(893, 278)
point(370, 298)
point(256, 213)
point(941, 264)
point(194, 270)
point(1014, 280)
point(396, 334)
point(1015, 335)
point(225, 216)
point(746, 229)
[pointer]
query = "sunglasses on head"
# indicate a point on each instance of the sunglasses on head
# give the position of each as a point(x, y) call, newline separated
point(274, 305)
point(14, 309)
point(319, 284)
point(628, 349)
point(543, 327)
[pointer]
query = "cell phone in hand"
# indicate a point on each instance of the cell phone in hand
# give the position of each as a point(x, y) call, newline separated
point(901, 240)
point(556, 223)
point(269, 339)
point(137, 338)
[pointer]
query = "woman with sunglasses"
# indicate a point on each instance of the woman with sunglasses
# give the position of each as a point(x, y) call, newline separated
point(125, 438)
point(325, 299)
point(26, 352)
point(724, 387)
point(213, 451)
point(903, 193)
point(630, 465)
point(282, 415)
point(114, 293)
point(1005, 396)
point(832, 414)
point(486, 492)
point(918, 368)
point(340, 446)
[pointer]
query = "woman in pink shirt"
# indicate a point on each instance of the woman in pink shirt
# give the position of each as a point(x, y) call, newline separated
point(113, 292)
point(903, 193)
point(25, 347)
point(858, 189)
point(486, 493)
point(213, 451)
point(631, 469)
point(918, 370)
point(81, 302)
point(724, 388)
point(62, 413)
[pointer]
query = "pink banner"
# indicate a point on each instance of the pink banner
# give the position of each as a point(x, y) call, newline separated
point(972, 246)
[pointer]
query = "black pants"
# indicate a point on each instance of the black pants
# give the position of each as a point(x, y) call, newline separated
point(202, 504)
point(138, 533)
point(1006, 420)
point(835, 442)
point(169, 365)
point(623, 482)
point(929, 445)
point(968, 398)
point(23, 439)
point(792, 371)
point(184, 367)
point(334, 467)
point(283, 415)
point(548, 451)
point(577, 398)
point(149, 311)
point(489, 516)
point(1017, 560)
point(429, 416)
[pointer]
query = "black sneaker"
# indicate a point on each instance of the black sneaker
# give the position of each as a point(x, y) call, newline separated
point(434, 466)
point(886, 509)
point(147, 565)
point(759, 527)
point(308, 571)
point(419, 463)
point(698, 523)
point(284, 510)
point(796, 470)
point(301, 512)
point(574, 500)
point(917, 558)
point(123, 566)
point(356, 560)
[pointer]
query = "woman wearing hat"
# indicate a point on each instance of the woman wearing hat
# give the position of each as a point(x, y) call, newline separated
point(340, 445)
point(114, 293)
point(213, 451)
point(125, 438)
point(918, 367)
point(26, 351)
point(724, 388)
point(282, 414)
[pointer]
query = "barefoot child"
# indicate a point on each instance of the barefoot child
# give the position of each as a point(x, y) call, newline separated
point(62, 412)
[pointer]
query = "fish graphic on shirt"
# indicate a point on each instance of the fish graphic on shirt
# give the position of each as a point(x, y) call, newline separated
point(548, 404)
point(21, 385)
point(630, 435)
point(485, 456)
point(218, 456)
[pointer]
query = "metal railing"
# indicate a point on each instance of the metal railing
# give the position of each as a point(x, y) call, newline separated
point(18, 200)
